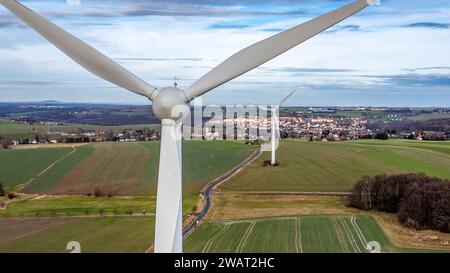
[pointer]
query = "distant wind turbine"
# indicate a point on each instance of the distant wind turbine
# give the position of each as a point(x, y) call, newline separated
point(275, 122)
point(171, 104)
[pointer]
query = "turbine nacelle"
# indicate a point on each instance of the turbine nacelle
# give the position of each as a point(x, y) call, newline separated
point(170, 103)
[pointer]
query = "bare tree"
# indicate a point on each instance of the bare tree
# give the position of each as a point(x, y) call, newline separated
point(2, 191)
point(6, 143)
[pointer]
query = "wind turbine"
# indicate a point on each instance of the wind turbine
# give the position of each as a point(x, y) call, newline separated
point(171, 104)
point(275, 122)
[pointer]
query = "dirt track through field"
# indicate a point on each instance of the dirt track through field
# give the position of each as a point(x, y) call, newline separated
point(247, 233)
point(358, 231)
point(50, 166)
point(298, 236)
point(111, 169)
point(213, 238)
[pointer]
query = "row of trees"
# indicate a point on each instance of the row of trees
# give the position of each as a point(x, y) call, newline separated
point(420, 201)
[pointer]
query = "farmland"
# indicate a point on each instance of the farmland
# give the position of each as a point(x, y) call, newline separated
point(313, 233)
point(108, 168)
point(254, 211)
point(106, 234)
point(336, 166)
point(57, 206)
point(16, 130)
point(113, 168)
point(19, 166)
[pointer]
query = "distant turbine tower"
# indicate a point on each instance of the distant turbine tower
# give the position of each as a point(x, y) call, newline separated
point(276, 127)
point(171, 104)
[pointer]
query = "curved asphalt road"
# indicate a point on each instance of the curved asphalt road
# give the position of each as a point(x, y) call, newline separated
point(209, 189)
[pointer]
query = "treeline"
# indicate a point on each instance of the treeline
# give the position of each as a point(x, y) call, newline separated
point(430, 125)
point(420, 201)
point(112, 116)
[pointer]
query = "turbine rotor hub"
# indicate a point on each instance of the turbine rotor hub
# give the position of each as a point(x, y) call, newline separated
point(170, 103)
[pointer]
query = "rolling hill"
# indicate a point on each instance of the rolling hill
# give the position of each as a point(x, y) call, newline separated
point(336, 166)
point(113, 168)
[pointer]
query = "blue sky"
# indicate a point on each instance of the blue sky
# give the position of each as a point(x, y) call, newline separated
point(394, 54)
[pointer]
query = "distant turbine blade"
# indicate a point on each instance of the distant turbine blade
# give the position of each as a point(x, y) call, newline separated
point(89, 58)
point(274, 139)
point(169, 230)
point(267, 49)
point(286, 98)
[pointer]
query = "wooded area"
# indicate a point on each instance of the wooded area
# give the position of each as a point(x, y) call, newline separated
point(420, 201)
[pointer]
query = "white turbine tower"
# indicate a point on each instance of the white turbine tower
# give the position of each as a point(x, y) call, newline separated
point(171, 104)
point(275, 122)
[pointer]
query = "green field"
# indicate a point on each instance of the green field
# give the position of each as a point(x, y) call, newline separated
point(106, 234)
point(80, 206)
point(19, 166)
point(114, 168)
point(110, 168)
point(437, 146)
point(49, 179)
point(301, 234)
point(336, 166)
point(294, 234)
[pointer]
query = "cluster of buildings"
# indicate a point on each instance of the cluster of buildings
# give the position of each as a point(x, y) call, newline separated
point(325, 128)
point(312, 128)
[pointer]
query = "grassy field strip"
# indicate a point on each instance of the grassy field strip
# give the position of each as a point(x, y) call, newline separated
point(244, 238)
point(437, 146)
point(358, 231)
point(443, 152)
point(82, 206)
point(217, 235)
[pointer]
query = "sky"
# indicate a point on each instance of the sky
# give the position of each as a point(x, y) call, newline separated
point(396, 53)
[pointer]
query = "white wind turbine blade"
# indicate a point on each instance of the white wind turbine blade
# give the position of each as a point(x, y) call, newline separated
point(89, 58)
point(267, 49)
point(168, 226)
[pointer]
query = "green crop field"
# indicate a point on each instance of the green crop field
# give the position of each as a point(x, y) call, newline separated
point(114, 168)
point(312, 233)
point(80, 206)
point(437, 146)
point(105, 234)
point(76, 205)
point(49, 179)
point(336, 166)
point(295, 234)
point(109, 168)
point(19, 166)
